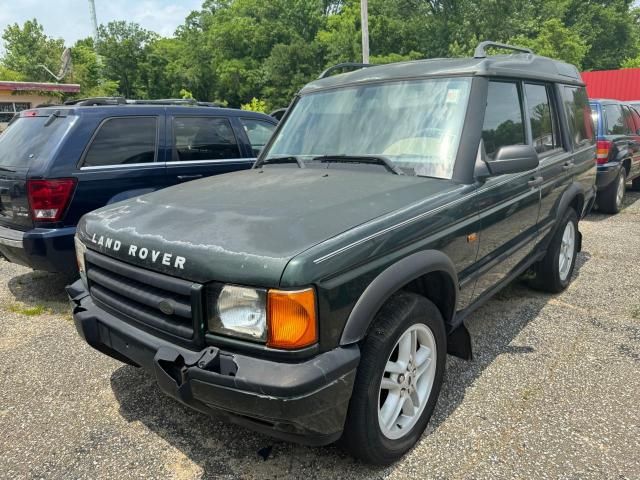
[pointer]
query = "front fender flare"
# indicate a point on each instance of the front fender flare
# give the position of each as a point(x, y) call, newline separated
point(390, 281)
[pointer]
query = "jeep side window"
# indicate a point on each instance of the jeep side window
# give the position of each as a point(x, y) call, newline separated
point(576, 105)
point(628, 120)
point(503, 123)
point(204, 138)
point(123, 141)
point(259, 133)
point(544, 126)
point(615, 121)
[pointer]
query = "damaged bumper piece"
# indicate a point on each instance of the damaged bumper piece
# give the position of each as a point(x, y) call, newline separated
point(305, 402)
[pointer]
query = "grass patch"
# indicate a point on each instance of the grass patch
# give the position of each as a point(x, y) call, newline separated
point(29, 311)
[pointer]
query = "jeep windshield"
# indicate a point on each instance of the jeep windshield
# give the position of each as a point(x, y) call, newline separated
point(415, 124)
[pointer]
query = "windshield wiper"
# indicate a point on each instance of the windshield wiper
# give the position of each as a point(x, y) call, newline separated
point(280, 160)
point(368, 159)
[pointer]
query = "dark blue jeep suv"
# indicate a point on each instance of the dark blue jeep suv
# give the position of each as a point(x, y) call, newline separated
point(58, 163)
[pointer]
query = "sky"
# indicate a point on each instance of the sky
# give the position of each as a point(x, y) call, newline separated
point(69, 19)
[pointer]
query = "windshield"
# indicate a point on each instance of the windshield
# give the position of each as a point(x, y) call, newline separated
point(415, 124)
point(29, 139)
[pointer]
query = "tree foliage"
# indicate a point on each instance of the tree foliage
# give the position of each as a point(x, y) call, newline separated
point(237, 50)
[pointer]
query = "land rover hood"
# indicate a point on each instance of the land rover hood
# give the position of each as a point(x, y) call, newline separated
point(245, 227)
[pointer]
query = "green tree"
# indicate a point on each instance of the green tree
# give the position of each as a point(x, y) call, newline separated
point(27, 47)
point(123, 47)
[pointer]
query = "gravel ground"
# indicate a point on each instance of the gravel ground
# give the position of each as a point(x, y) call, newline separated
point(552, 393)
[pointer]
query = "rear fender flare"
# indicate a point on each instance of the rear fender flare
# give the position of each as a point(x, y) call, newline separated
point(390, 281)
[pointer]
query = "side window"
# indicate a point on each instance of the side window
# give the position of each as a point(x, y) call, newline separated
point(615, 120)
point(628, 120)
point(259, 133)
point(503, 123)
point(544, 127)
point(576, 105)
point(636, 121)
point(204, 138)
point(122, 141)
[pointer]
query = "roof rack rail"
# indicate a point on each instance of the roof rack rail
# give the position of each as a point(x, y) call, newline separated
point(91, 101)
point(340, 66)
point(173, 101)
point(481, 51)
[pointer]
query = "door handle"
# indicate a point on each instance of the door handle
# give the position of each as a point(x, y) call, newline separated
point(187, 178)
point(568, 166)
point(535, 181)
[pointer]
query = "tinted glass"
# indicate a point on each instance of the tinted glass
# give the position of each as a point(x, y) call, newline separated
point(628, 120)
point(542, 118)
point(31, 139)
point(259, 133)
point(576, 105)
point(615, 121)
point(123, 141)
point(636, 120)
point(415, 124)
point(503, 118)
point(204, 138)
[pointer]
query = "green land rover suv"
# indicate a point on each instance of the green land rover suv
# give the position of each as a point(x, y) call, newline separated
point(315, 297)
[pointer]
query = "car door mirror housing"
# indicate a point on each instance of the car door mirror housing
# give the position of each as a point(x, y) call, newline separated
point(513, 159)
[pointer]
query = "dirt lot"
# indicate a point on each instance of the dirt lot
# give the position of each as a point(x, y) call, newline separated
point(552, 393)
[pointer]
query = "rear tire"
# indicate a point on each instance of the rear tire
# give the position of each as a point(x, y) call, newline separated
point(635, 185)
point(389, 408)
point(611, 199)
point(553, 272)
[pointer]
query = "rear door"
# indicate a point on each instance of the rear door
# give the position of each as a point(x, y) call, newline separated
point(29, 143)
point(634, 140)
point(202, 146)
point(556, 159)
point(122, 160)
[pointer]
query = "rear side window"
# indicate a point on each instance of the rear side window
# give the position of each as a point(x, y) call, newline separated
point(259, 133)
point(204, 138)
point(628, 120)
point(615, 122)
point(544, 126)
point(636, 121)
point(123, 141)
point(503, 123)
point(28, 140)
point(576, 105)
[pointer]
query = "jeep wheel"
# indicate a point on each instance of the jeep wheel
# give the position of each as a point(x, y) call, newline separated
point(635, 185)
point(398, 381)
point(553, 272)
point(610, 200)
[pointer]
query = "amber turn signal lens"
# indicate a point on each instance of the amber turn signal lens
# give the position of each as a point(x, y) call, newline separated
point(291, 317)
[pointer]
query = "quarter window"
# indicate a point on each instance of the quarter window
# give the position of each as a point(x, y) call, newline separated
point(615, 121)
point(204, 138)
point(122, 141)
point(259, 133)
point(503, 118)
point(543, 120)
point(576, 104)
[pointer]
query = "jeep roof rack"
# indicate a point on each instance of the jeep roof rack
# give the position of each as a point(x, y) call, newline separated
point(92, 101)
point(340, 66)
point(481, 49)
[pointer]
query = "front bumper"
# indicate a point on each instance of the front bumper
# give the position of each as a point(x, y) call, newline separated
point(304, 402)
point(48, 249)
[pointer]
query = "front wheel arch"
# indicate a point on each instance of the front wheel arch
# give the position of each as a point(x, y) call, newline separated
point(411, 272)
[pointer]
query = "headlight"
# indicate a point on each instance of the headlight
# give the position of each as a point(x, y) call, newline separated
point(238, 311)
point(81, 250)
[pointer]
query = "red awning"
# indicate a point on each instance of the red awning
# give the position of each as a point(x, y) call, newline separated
point(39, 86)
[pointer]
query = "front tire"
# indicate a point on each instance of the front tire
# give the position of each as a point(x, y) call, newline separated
point(398, 381)
point(553, 272)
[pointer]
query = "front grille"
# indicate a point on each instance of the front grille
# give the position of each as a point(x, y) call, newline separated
point(137, 294)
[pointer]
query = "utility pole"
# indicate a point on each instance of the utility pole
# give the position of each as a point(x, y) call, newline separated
point(364, 15)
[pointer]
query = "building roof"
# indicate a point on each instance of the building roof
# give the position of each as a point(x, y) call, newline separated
point(616, 84)
point(39, 86)
point(526, 65)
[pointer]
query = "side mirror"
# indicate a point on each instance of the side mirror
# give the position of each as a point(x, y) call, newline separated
point(513, 159)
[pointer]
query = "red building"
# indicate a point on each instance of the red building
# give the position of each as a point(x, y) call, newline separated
point(616, 84)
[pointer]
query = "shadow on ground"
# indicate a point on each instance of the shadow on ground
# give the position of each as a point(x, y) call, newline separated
point(42, 289)
point(631, 197)
point(223, 449)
